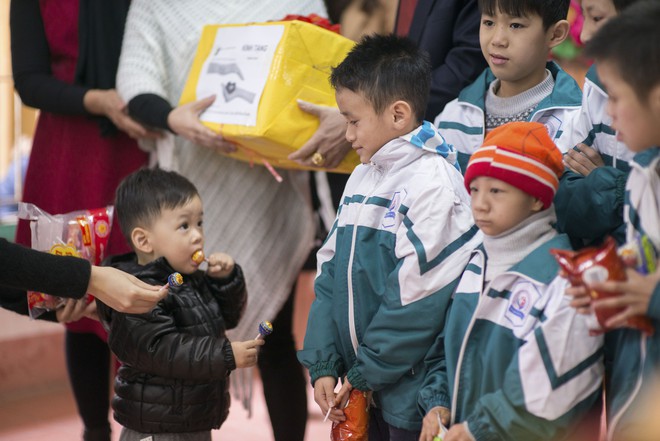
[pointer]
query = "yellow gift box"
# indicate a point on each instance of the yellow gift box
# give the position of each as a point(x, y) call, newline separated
point(258, 71)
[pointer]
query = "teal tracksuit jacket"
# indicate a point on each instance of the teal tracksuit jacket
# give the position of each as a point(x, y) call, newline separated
point(515, 361)
point(386, 272)
point(632, 359)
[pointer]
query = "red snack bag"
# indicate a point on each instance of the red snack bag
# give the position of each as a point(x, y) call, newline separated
point(356, 425)
point(82, 233)
point(598, 264)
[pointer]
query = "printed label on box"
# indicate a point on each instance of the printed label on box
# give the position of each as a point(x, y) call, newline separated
point(236, 71)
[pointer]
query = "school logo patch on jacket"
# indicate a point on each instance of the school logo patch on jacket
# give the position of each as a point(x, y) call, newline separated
point(389, 219)
point(524, 296)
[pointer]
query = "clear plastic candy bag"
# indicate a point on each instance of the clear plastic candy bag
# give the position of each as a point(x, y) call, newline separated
point(82, 233)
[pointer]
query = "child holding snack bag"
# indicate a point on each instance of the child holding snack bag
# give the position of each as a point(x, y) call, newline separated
point(176, 360)
point(514, 360)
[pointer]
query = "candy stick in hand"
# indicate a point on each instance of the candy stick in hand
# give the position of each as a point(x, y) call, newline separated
point(327, 414)
point(265, 328)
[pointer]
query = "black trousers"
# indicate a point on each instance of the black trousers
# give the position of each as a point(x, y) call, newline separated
point(283, 378)
point(88, 366)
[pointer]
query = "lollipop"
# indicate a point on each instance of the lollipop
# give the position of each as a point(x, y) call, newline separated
point(265, 328)
point(175, 279)
point(198, 257)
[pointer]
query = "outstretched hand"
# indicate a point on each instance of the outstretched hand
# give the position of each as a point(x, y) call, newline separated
point(329, 139)
point(184, 121)
point(122, 291)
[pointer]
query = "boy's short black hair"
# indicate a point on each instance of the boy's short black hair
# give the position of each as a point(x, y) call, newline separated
point(142, 195)
point(385, 69)
point(631, 42)
point(620, 5)
point(550, 11)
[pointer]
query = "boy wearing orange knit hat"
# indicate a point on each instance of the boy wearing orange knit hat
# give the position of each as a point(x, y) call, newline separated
point(515, 361)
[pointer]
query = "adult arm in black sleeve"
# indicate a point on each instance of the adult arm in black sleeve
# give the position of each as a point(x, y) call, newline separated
point(151, 110)
point(27, 269)
point(30, 57)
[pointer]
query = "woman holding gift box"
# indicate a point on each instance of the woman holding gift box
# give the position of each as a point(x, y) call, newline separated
point(266, 226)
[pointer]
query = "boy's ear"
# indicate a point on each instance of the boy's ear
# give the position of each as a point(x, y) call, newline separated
point(558, 32)
point(537, 205)
point(401, 114)
point(654, 99)
point(140, 239)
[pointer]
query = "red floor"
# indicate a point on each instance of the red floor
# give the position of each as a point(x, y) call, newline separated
point(52, 416)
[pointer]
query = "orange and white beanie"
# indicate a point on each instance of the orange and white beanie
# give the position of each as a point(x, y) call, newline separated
point(521, 154)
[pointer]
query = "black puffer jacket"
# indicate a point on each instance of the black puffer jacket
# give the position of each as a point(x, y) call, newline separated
point(175, 359)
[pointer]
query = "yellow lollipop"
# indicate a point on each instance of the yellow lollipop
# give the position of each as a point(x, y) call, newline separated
point(198, 257)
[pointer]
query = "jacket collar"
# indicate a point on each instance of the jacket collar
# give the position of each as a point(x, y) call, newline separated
point(646, 157)
point(406, 148)
point(565, 93)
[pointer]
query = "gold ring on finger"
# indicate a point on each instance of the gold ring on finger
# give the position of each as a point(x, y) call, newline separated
point(318, 159)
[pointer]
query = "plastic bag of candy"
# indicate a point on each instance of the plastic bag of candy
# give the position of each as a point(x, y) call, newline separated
point(356, 425)
point(600, 264)
point(82, 233)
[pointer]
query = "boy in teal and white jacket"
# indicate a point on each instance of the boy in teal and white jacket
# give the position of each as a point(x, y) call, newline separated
point(590, 197)
point(515, 361)
point(401, 239)
point(519, 84)
point(628, 63)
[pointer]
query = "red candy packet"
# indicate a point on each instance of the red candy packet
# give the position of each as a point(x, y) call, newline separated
point(356, 425)
point(82, 233)
point(598, 264)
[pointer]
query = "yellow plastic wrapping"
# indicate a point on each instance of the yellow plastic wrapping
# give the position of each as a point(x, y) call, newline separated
point(299, 69)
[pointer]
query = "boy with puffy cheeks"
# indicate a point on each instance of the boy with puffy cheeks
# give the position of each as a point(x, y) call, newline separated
point(176, 359)
point(514, 361)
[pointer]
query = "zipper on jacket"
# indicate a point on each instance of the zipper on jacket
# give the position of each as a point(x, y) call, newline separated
point(454, 398)
point(349, 275)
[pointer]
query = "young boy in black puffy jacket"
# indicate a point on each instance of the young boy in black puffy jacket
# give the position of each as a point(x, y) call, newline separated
point(175, 359)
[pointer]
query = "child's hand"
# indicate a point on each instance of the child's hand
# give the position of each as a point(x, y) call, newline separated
point(581, 298)
point(220, 265)
point(245, 352)
point(584, 160)
point(73, 310)
point(324, 395)
point(635, 296)
point(430, 426)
